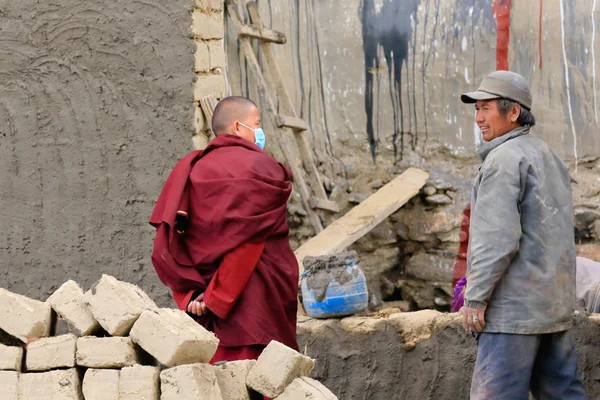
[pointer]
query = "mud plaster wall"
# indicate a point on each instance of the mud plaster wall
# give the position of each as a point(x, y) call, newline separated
point(95, 109)
point(421, 355)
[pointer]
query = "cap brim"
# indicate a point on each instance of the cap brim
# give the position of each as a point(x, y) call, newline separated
point(472, 97)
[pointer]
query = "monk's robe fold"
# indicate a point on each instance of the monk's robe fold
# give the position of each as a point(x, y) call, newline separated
point(218, 207)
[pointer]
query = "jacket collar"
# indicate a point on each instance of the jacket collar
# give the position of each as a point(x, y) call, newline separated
point(484, 150)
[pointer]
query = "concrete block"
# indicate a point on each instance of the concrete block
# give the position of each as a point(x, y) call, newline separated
point(9, 381)
point(173, 337)
point(305, 388)
point(190, 382)
point(108, 352)
point(11, 358)
point(116, 305)
point(217, 54)
point(62, 384)
point(24, 318)
point(202, 56)
point(231, 377)
point(139, 382)
point(67, 302)
point(216, 5)
point(207, 25)
point(51, 353)
point(276, 368)
point(210, 84)
point(101, 384)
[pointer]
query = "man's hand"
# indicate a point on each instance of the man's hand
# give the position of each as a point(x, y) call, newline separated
point(197, 306)
point(473, 319)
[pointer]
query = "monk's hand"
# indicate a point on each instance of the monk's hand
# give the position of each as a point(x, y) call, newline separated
point(197, 306)
point(473, 319)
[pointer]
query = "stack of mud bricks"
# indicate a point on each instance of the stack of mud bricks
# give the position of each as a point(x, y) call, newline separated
point(208, 31)
point(121, 346)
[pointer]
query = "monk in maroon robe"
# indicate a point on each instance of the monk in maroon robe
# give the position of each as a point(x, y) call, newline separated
point(222, 237)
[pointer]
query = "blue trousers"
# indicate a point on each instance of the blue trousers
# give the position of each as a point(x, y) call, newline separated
point(509, 366)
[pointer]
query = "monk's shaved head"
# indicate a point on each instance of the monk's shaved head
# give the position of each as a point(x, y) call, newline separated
point(228, 111)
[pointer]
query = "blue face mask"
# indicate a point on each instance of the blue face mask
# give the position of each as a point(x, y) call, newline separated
point(259, 136)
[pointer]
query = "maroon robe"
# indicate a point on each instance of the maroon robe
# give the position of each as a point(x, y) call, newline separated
point(229, 195)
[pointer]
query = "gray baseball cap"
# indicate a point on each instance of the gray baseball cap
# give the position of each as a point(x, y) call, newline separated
point(501, 84)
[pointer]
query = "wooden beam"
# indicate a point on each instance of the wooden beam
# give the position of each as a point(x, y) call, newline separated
point(269, 107)
point(323, 204)
point(264, 34)
point(287, 108)
point(294, 123)
point(365, 216)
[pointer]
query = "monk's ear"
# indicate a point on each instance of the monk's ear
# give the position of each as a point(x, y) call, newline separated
point(235, 128)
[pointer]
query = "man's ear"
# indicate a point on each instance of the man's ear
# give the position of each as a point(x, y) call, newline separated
point(516, 113)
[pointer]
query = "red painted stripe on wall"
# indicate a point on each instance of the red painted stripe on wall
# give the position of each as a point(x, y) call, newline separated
point(501, 10)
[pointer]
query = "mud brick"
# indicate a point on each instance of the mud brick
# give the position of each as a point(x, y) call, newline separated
point(305, 388)
point(190, 382)
point(63, 384)
point(101, 384)
point(116, 305)
point(9, 385)
point(173, 337)
point(139, 382)
point(276, 368)
point(51, 353)
point(67, 302)
point(11, 358)
point(108, 352)
point(24, 318)
point(232, 376)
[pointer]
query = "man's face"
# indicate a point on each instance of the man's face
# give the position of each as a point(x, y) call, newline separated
point(491, 122)
point(251, 119)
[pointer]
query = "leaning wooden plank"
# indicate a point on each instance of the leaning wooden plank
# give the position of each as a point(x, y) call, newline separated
point(287, 109)
point(208, 105)
point(264, 34)
point(365, 216)
point(293, 161)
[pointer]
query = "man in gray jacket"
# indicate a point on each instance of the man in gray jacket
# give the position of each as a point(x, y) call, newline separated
point(520, 293)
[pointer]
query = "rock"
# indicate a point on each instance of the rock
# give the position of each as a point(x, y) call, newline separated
point(173, 337)
point(381, 235)
point(328, 184)
point(357, 198)
point(441, 185)
point(62, 384)
point(380, 261)
point(139, 382)
point(270, 381)
point(107, 352)
point(190, 382)
point(438, 199)
point(101, 384)
point(24, 318)
point(297, 210)
point(584, 223)
point(231, 377)
point(429, 190)
point(117, 305)
point(376, 185)
point(52, 353)
point(9, 382)
point(67, 301)
point(11, 358)
point(423, 293)
point(305, 388)
point(422, 225)
point(430, 267)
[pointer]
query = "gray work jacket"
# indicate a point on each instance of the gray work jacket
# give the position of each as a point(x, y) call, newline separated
point(521, 259)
